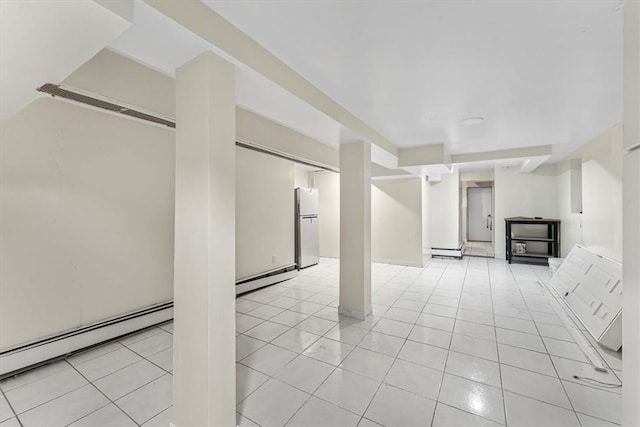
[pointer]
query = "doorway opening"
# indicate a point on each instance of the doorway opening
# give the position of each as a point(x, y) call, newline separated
point(479, 218)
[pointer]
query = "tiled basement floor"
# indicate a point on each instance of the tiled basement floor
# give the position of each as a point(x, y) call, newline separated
point(458, 343)
point(481, 249)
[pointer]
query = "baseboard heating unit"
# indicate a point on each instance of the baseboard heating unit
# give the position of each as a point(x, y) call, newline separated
point(266, 279)
point(448, 252)
point(21, 357)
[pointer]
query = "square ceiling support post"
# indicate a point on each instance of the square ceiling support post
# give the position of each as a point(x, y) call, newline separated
point(204, 381)
point(355, 230)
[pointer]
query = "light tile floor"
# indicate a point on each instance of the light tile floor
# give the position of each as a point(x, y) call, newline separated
point(458, 343)
point(480, 249)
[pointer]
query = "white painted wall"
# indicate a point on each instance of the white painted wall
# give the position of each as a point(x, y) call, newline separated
point(571, 225)
point(328, 185)
point(301, 178)
point(264, 213)
point(599, 228)
point(631, 212)
point(396, 221)
point(87, 218)
point(396, 218)
point(444, 199)
point(522, 194)
point(485, 175)
point(426, 216)
point(602, 194)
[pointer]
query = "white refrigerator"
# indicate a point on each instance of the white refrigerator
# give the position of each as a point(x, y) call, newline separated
point(307, 232)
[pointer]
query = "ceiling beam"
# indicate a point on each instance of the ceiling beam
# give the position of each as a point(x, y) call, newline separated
point(212, 27)
point(435, 154)
point(513, 153)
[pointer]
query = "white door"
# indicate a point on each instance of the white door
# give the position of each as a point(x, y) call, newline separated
point(480, 222)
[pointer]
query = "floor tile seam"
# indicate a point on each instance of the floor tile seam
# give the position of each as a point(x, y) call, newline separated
point(470, 413)
point(60, 396)
point(243, 415)
point(593, 386)
point(103, 343)
point(13, 411)
point(96, 410)
point(549, 354)
point(136, 332)
point(118, 406)
point(51, 400)
point(474, 336)
point(337, 404)
point(314, 333)
point(446, 361)
point(286, 330)
point(504, 403)
point(269, 377)
point(275, 321)
point(518, 330)
point(590, 386)
point(152, 354)
point(63, 359)
point(309, 395)
point(598, 418)
point(564, 389)
point(472, 380)
point(542, 401)
point(164, 372)
point(143, 358)
point(530, 370)
point(295, 351)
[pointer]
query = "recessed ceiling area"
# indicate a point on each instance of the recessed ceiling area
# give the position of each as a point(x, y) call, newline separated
point(422, 73)
point(538, 72)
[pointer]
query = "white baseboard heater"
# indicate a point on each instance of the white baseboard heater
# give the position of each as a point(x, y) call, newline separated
point(24, 356)
point(448, 252)
point(266, 279)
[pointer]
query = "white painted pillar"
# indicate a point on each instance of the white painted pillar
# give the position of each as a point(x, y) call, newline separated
point(355, 229)
point(631, 218)
point(204, 278)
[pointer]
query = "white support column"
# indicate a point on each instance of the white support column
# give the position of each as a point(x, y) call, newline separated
point(631, 214)
point(204, 278)
point(355, 229)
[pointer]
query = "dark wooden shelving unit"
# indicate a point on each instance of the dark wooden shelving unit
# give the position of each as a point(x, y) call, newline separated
point(550, 242)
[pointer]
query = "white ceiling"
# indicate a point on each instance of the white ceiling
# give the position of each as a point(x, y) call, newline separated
point(539, 72)
point(164, 45)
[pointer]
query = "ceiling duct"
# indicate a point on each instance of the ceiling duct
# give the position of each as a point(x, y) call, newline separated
point(56, 90)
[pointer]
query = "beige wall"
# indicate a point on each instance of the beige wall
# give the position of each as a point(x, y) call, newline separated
point(87, 218)
point(444, 198)
point(426, 216)
point(302, 178)
point(396, 221)
point(264, 213)
point(396, 218)
point(599, 228)
point(522, 194)
point(328, 185)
